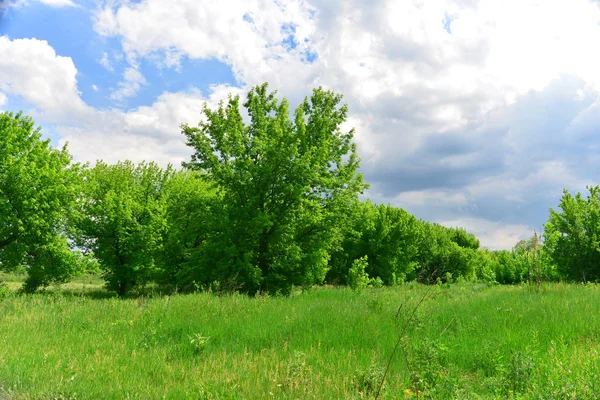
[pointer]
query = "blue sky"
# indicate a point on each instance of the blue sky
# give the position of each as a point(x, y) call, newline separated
point(69, 31)
point(469, 113)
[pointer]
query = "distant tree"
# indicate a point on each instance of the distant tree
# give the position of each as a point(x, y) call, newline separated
point(122, 219)
point(572, 236)
point(386, 235)
point(38, 188)
point(528, 245)
point(440, 255)
point(463, 238)
point(286, 187)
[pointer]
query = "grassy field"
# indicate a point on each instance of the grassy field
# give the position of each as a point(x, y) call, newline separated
point(466, 341)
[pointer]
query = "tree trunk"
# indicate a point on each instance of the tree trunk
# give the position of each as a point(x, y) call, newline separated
point(122, 288)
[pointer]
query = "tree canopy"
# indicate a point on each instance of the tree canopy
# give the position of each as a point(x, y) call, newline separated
point(38, 188)
point(572, 235)
point(121, 220)
point(286, 185)
point(269, 199)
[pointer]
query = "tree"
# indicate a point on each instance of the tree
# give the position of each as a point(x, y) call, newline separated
point(387, 235)
point(193, 205)
point(122, 218)
point(286, 186)
point(572, 236)
point(38, 188)
point(445, 252)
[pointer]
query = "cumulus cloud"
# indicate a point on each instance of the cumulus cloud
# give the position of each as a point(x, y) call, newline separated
point(474, 112)
point(31, 69)
point(130, 86)
point(244, 34)
point(493, 235)
point(149, 133)
point(3, 99)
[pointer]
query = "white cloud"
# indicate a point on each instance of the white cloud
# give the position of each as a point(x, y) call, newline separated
point(130, 86)
point(466, 126)
point(5, 5)
point(3, 99)
point(95, 88)
point(59, 3)
point(492, 235)
point(430, 198)
point(244, 34)
point(150, 133)
point(31, 69)
point(105, 62)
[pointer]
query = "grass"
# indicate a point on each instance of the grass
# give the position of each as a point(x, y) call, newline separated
point(465, 342)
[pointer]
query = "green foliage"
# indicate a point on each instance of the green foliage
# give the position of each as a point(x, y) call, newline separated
point(198, 342)
point(387, 235)
point(38, 188)
point(286, 187)
point(122, 219)
point(358, 279)
point(441, 251)
point(572, 236)
point(193, 208)
point(520, 370)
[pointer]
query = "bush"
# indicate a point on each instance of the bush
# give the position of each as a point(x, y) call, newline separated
point(358, 279)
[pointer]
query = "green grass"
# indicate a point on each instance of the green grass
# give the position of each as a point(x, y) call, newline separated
point(465, 342)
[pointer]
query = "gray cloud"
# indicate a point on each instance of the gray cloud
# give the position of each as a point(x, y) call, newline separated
point(518, 160)
point(481, 127)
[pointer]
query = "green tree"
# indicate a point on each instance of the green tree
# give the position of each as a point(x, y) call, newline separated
point(193, 206)
point(463, 238)
point(122, 219)
point(572, 236)
point(38, 188)
point(441, 255)
point(286, 187)
point(387, 235)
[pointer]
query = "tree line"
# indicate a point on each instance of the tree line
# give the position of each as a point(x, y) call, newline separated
point(267, 201)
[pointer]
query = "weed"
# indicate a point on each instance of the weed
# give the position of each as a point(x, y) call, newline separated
point(298, 373)
point(369, 380)
point(5, 292)
point(198, 342)
point(519, 373)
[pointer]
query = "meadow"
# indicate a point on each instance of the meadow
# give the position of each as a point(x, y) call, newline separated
point(78, 341)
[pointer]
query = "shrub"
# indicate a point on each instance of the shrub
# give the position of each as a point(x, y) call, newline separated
point(358, 279)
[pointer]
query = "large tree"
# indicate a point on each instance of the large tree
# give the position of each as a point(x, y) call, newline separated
point(572, 236)
point(122, 218)
point(286, 186)
point(38, 187)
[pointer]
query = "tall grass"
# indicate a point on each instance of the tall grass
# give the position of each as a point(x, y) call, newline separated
point(464, 342)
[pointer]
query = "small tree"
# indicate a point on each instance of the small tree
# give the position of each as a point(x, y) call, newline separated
point(38, 188)
point(286, 187)
point(358, 279)
point(122, 221)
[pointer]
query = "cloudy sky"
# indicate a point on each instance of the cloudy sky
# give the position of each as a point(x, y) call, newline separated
point(473, 113)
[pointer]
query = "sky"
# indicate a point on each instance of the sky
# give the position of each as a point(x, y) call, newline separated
point(471, 113)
